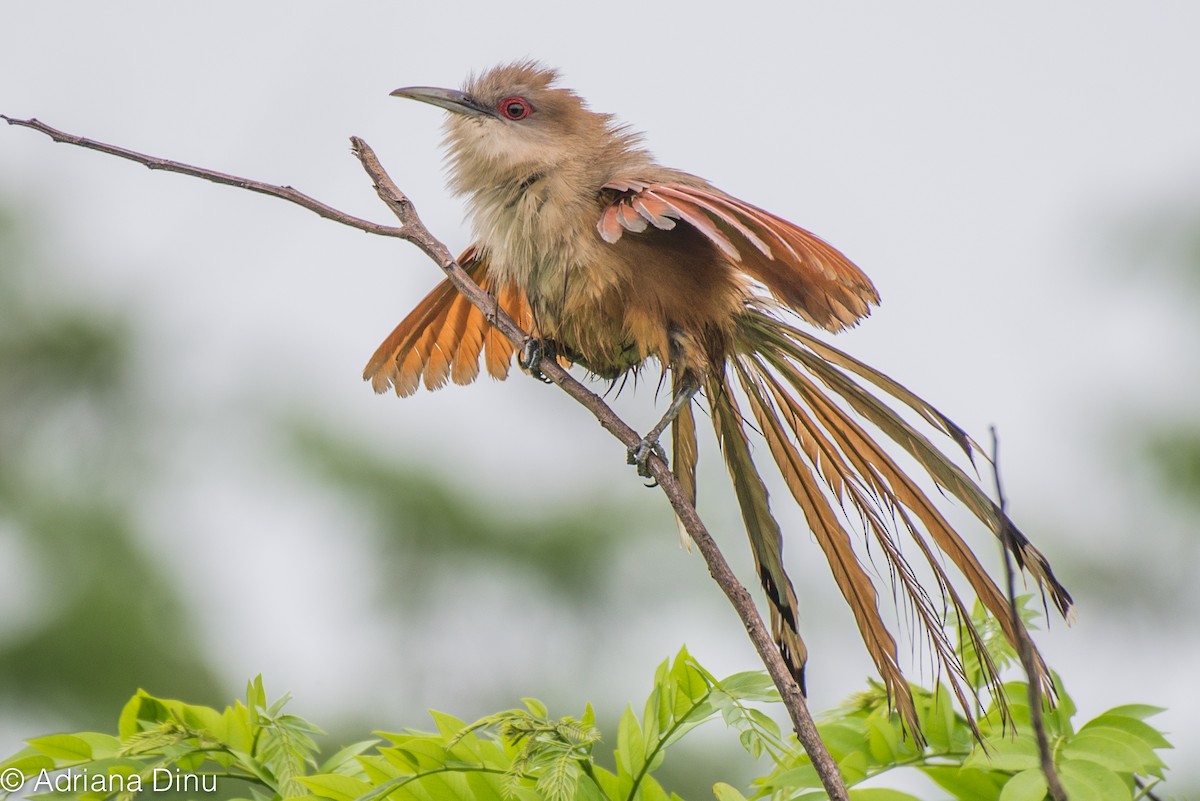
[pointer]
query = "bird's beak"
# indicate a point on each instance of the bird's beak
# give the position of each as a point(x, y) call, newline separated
point(449, 99)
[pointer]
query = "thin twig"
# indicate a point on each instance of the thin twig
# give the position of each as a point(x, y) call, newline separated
point(167, 165)
point(414, 231)
point(1024, 644)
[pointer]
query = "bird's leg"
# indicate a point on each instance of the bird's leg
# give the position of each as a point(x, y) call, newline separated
point(640, 453)
point(532, 352)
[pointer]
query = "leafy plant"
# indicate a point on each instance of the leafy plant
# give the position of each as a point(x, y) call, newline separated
point(525, 754)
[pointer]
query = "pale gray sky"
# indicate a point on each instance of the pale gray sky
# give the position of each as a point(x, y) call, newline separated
point(983, 165)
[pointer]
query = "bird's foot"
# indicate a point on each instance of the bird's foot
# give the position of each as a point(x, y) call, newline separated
point(533, 352)
point(640, 455)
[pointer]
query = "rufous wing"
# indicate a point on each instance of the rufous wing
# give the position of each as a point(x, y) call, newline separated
point(807, 274)
point(443, 337)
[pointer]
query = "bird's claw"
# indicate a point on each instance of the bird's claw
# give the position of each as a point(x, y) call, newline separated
point(640, 455)
point(532, 353)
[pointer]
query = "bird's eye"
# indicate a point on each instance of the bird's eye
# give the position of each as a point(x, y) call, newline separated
point(514, 108)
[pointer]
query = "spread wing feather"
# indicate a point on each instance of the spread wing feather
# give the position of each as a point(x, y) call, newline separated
point(798, 268)
point(444, 336)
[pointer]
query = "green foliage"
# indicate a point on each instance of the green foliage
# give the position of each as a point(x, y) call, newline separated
point(526, 754)
point(1108, 758)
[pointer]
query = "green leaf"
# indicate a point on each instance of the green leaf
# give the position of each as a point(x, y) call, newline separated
point(1087, 780)
point(104, 746)
point(256, 695)
point(631, 747)
point(335, 786)
point(536, 707)
point(727, 792)
point(1136, 711)
point(752, 685)
point(883, 739)
point(448, 725)
point(844, 736)
point(751, 742)
point(127, 722)
point(344, 757)
point(693, 684)
point(938, 721)
point(609, 783)
point(446, 787)
point(853, 767)
point(803, 776)
point(201, 718)
point(651, 790)
point(880, 794)
point(378, 769)
point(1112, 748)
point(1015, 754)
point(967, 783)
point(1143, 731)
point(1028, 785)
point(484, 786)
point(63, 747)
point(27, 763)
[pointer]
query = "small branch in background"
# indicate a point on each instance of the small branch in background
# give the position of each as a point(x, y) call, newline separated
point(1008, 544)
point(414, 231)
point(167, 165)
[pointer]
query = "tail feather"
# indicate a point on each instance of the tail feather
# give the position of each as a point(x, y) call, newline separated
point(808, 407)
point(766, 540)
point(793, 345)
point(684, 456)
point(854, 582)
point(878, 491)
point(901, 496)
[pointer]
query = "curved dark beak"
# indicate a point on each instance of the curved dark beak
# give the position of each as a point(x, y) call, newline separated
point(450, 99)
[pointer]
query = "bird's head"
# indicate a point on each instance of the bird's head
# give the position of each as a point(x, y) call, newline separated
point(510, 123)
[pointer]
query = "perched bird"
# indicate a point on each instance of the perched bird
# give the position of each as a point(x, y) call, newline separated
point(611, 261)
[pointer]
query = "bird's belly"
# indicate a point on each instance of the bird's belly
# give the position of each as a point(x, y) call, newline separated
point(589, 320)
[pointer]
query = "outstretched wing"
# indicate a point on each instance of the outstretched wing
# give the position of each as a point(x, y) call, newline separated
point(442, 338)
point(805, 273)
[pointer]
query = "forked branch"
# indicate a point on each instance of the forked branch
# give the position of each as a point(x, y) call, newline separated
point(413, 230)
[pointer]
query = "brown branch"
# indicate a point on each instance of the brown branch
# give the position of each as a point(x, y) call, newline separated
point(166, 165)
point(413, 230)
point(1008, 544)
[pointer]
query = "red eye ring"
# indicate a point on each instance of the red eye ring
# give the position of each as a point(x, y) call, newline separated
point(514, 108)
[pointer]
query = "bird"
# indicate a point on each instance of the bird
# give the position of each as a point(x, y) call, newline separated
point(614, 262)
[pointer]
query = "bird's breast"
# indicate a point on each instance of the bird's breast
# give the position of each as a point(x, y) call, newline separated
point(547, 244)
point(612, 305)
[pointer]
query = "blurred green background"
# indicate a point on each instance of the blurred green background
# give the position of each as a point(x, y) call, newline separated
point(195, 487)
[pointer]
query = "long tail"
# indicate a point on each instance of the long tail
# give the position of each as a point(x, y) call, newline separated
point(766, 540)
point(804, 397)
